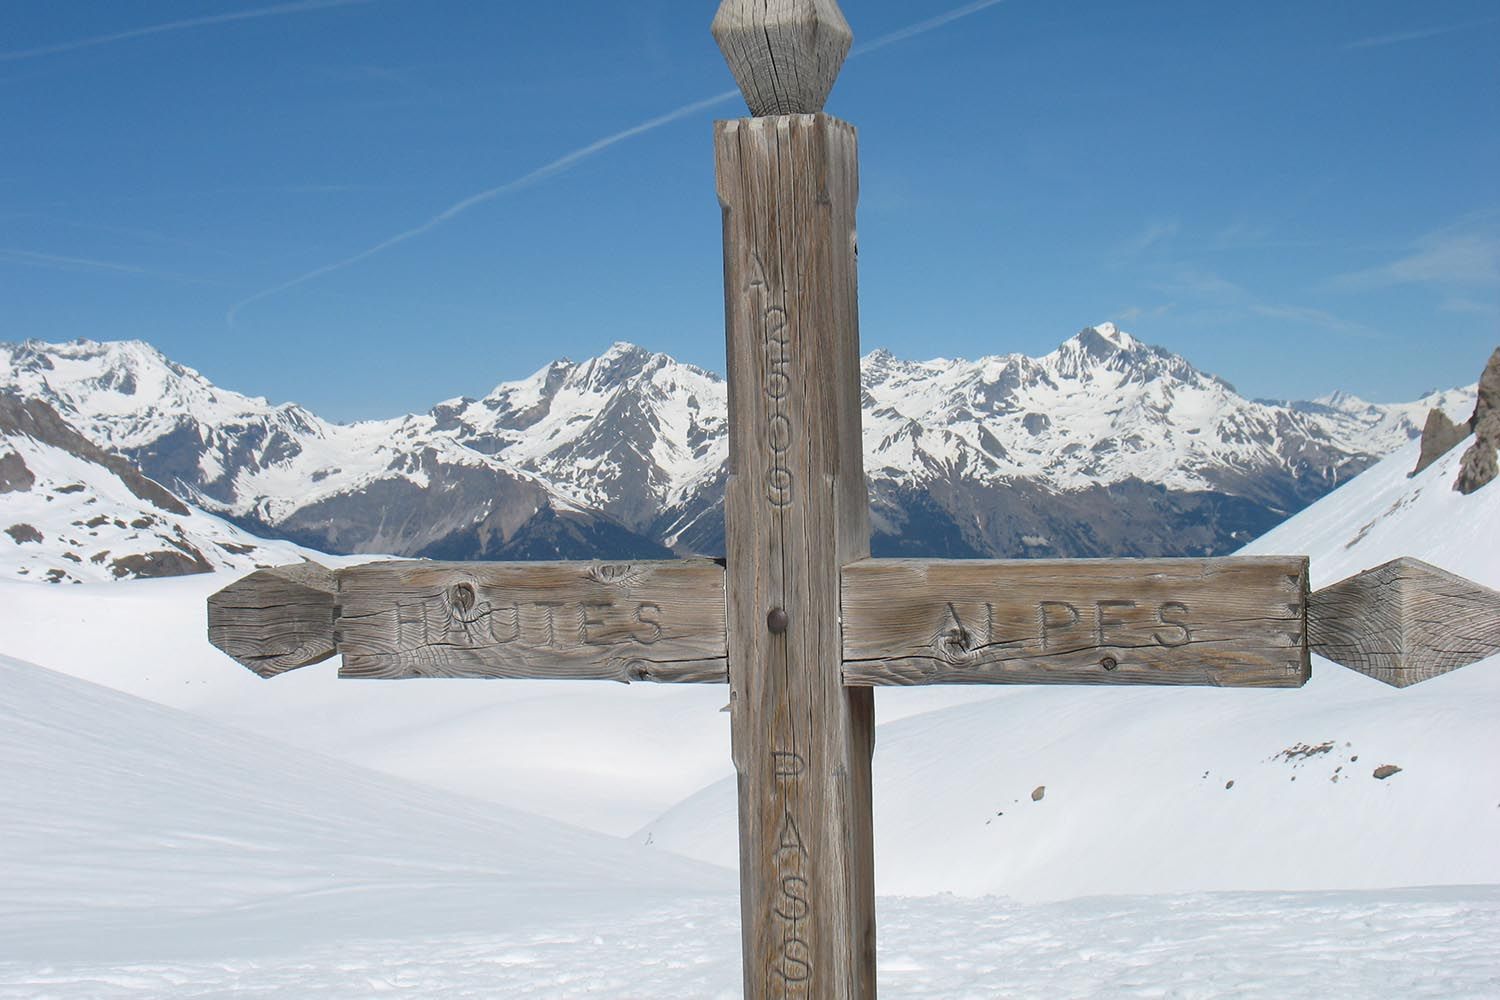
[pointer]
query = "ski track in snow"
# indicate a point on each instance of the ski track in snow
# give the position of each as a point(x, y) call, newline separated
point(1413, 943)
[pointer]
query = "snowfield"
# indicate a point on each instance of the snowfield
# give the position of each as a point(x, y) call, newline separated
point(175, 827)
point(1411, 943)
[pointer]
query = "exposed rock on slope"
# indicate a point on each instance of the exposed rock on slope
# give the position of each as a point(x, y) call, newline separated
point(1439, 435)
point(1481, 463)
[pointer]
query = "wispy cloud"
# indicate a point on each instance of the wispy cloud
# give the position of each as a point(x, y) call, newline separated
point(1309, 316)
point(1130, 314)
point(1471, 307)
point(277, 10)
point(1445, 259)
point(1195, 283)
point(56, 261)
point(1205, 289)
point(577, 156)
point(1151, 235)
point(1416, 35)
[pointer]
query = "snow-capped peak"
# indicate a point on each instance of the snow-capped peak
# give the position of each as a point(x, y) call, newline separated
point(1116, 336)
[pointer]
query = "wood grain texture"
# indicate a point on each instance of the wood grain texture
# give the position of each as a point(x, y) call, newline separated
point(784, 54)
point(643, 621)
point(1405, 622)
point(796, 510)
point(275, 620)
point(1237, 622)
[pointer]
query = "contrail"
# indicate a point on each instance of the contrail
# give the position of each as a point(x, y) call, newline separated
point(458, 208)
point(192, 22)
point(1413, 36)
point(577, 156)
point(922, 27)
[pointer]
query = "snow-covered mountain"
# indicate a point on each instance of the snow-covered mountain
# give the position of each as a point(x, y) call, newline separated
point(397, 486)
point(1106, 446)
point(72, 512)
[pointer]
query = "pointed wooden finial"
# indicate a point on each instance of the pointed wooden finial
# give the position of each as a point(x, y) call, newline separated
point(785, 54)
point(275, 620)
point(1404, 622)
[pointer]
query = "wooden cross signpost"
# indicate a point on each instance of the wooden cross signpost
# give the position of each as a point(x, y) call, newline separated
point(799, 622)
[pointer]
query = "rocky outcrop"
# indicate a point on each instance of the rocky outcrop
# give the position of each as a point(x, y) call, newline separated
point(23, 533)
point(1481, 463)
point(147, 565)
point(15, 477)
point(1439, 435)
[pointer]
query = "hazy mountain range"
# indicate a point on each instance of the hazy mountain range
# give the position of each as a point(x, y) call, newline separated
point(1104, 447)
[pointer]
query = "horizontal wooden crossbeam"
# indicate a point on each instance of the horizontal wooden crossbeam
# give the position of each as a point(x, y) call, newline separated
point(1228, 622)
point(1233, 622)
point(641, 621)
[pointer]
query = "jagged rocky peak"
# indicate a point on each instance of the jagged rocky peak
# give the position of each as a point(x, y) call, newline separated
point(878, 363)
point(1083, 353)
point(1107, 348)
point(1101, 343)
point(1106, 338)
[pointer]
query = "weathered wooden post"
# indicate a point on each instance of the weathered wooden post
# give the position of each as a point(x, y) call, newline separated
point(796, 508)
point(801, 623)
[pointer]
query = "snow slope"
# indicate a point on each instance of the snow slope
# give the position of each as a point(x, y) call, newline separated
point(604, 756)
point(148, 854)
point(1386, 513)
point(129, 830)
point(601, 755)
point(145, 853)
point(1177, 790)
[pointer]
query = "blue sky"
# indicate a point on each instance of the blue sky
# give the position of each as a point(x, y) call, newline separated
point(338, 201)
